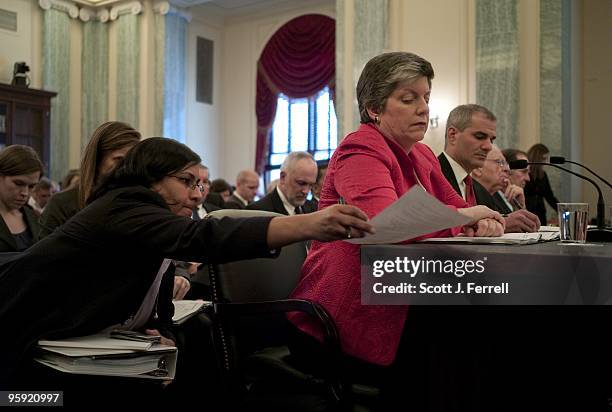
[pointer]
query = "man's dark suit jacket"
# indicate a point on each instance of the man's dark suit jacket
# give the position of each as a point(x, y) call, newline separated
point(494, 202)
point(271, 202)
point(95, 270)
point(482, 196)
point(7, 240)
point(447, 170)
point(234, 203)
point(310, 206)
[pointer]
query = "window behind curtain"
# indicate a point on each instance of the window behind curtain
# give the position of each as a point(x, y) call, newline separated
point(307, 124)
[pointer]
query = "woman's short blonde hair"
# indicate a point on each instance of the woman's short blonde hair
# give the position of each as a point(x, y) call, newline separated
point(381, 76)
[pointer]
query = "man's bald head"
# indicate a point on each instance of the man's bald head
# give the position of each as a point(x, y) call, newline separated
point(247, 184)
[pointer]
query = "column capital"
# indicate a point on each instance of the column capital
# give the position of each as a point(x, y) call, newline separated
point(61, 5)
point(164, 7)
point(132, 7)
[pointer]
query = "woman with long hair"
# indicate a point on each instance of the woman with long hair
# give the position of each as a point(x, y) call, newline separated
point(111, 264)
point(108, 145)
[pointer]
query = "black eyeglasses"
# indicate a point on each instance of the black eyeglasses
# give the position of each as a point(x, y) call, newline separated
point(191, 183)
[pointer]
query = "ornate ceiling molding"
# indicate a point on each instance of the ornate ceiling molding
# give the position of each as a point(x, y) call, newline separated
point(132, 7)
point(164, 7)
point(61, 5)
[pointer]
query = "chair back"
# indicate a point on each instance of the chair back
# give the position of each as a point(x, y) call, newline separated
point(257, 280)
point(250, 300)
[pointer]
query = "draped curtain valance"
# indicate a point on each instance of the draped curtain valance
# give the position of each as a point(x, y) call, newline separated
point(298, 61)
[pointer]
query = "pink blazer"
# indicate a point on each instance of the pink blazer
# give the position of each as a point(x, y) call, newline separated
point(370, 172)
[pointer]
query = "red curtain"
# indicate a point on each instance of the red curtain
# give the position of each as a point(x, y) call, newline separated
point(298, 61)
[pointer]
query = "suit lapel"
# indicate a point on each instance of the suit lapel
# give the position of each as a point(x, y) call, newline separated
point(447, 170)
point(277, 203)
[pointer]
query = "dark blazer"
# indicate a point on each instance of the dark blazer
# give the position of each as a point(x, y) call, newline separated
point(271, 202)
point(536, 191)
point(95, 270)
point(310, 206)
point(233, 203)
point(61, 207)
point(494, 202)
point(482, 195)
point(7, 240)
point(214, 199)
point(448, 173)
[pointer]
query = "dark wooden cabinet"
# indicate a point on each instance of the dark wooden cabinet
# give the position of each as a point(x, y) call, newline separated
point(25, 119)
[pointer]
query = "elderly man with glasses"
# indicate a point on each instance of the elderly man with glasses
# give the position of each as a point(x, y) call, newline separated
point(494, 189)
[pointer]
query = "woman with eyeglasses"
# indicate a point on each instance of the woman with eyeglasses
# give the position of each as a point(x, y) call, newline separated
point(111, 268)
point(20, 171)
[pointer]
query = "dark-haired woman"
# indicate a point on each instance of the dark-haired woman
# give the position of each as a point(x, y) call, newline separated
point(111, 263)
point(20, 171)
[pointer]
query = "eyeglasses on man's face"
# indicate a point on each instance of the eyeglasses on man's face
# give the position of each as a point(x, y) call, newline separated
point(500, 162)
point(191, 183)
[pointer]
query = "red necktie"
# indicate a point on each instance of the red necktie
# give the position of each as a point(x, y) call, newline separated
point(470, 197)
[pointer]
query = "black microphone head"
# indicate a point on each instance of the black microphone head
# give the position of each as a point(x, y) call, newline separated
point(518, 164)
point(557, 160)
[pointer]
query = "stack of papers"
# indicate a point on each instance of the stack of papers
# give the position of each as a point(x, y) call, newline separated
point(104, 355)
point(505, 239)
point(184, 309)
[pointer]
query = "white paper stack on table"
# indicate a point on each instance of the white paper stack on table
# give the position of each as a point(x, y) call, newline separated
point(104, 355)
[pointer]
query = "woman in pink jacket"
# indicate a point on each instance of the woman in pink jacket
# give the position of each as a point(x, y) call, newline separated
point(370, 169)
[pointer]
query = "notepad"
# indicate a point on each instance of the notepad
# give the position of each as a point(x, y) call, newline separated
point(184, 309)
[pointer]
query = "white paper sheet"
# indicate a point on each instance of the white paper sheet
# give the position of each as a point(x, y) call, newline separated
point(414, 214)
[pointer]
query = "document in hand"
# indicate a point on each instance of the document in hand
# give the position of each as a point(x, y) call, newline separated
point(103, 355)
point(184, 309)
point(414, 214)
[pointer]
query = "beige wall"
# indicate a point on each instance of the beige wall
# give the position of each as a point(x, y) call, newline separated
point(441, 31)
point(447, 41)
point(24, 44)
point(204, 127)
point(597, 95)
point(244, 39)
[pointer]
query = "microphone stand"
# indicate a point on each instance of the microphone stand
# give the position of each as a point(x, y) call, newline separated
point(561, 160)
point(600, 234)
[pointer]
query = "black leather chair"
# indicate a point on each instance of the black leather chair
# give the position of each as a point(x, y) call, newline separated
point(250, 303)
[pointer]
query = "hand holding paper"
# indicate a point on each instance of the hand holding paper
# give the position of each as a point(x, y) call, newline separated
point(414, 214)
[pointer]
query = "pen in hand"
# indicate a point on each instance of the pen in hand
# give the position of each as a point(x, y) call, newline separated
point(348, 228)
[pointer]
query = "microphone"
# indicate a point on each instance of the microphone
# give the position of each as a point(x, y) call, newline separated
point(559, 160)
point(601, 234)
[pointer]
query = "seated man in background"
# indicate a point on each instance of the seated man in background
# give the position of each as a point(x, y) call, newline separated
point(41, 193)
point(489, 182)
point(247, 183)
point(518, 177)
point(219, 192)
point(316, 188)
point(470, 132)
point(298, 175)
